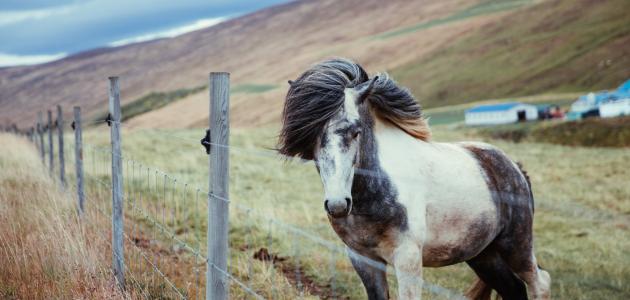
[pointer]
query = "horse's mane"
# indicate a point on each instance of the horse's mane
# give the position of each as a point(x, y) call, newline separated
point(396, 105)
point(318, 94)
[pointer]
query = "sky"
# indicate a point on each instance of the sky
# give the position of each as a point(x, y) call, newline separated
point(37, 31)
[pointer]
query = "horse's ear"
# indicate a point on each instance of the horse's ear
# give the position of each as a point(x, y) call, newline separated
point(290, 82)
point(364, 90)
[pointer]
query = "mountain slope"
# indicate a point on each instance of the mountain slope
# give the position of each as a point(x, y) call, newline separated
point(556, 46)
point(446, 51)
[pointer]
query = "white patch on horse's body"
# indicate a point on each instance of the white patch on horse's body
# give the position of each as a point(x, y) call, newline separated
point(442, 231)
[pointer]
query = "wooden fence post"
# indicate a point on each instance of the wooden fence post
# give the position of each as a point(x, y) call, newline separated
point(217, 287)
point(40, 132)
point(51, 159)
point(78, 156)
point(117, 183)
point(62, 166)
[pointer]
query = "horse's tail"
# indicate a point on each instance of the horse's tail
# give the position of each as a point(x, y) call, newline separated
point(529, 183)
point(479, 291)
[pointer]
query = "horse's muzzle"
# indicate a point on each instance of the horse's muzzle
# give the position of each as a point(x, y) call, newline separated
point(338, 208)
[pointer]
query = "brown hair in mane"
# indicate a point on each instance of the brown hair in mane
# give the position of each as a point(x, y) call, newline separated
point(395, 104)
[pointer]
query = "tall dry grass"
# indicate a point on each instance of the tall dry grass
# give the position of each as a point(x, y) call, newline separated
point(46, 252)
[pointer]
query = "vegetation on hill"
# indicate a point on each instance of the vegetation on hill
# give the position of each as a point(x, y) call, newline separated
point(553, 46)
point(485, 7)
point(250, 88)
point(591, 132)
point(155, 100)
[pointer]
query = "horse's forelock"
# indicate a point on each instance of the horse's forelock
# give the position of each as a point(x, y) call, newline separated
point(312, 100)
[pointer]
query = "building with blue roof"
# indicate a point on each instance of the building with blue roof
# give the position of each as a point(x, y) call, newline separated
point(500, 113)
point(604, 103)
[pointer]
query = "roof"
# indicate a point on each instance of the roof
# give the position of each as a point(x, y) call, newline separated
point(624, 87)
point(494, 107)
point(602, 97)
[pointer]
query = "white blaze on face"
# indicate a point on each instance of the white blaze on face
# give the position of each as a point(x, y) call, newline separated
point(336, 154)
point(350, 104)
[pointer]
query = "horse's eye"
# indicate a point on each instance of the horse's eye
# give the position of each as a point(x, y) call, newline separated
point(355, 134)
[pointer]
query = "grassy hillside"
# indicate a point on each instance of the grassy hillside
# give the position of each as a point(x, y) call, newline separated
point(447, 52)
point(553, 46)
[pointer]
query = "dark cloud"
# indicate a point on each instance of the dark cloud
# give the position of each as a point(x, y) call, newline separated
point(70, 26)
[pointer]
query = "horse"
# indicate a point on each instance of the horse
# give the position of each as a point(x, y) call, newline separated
point(396, 197)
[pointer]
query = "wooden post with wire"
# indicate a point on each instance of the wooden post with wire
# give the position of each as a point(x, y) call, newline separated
point(51, 153)
point(78, 158)
point(62, 161)
point(40, 133)
point(117, 183)
point(217, 285)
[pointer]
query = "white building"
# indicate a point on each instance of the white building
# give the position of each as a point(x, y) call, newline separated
point(586, 103)
point(502, 113)
point(616, 108)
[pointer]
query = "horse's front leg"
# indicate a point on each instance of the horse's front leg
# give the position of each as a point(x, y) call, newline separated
point(407, 260)
point(373, 275)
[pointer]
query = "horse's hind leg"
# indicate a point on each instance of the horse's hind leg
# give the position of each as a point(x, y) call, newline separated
point(538, 280)
point(479, 291)
point(495, 272)
point(517, 250)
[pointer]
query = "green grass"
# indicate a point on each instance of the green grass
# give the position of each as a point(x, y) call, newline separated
point(592, 132)
point(547, 47)
point(156, 100)
point(250, 88)
point(153, 101)
point(485, 7)
point(581, 223)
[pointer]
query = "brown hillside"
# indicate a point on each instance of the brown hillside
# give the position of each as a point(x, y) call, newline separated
point(426, 44)
point(268, 46)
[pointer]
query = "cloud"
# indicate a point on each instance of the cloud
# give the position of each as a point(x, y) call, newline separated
point(73, 27)
point(173, 32)
point(23, 60)
point(17, 16)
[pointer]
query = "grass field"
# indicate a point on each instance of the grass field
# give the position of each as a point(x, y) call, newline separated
point(45, 251)
point(581, 223)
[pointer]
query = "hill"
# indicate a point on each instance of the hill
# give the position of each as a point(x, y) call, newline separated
point(447, 52)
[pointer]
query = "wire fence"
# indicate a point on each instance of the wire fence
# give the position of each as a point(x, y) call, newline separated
point(167, 218)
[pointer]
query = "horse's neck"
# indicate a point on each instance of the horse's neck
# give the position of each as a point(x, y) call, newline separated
point(371, 181)
point(392, 143)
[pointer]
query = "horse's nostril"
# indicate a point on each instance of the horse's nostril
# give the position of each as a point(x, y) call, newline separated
point(326, 206)
point(348, 202)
